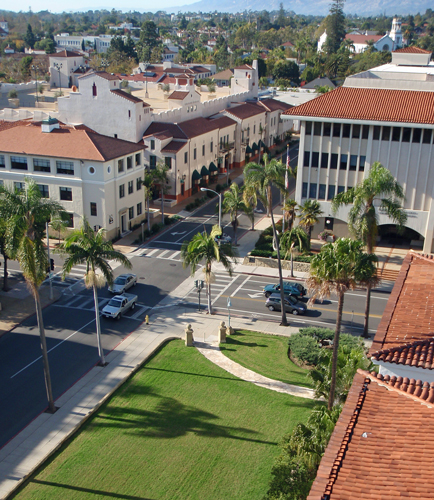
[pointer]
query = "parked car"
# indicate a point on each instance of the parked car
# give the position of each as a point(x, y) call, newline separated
point(292, 305)
point(289, 288)
point(223, 238)
point(119, 305)
point(123, 282)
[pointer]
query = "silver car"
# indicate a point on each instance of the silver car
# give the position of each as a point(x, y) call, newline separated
point(123, 282)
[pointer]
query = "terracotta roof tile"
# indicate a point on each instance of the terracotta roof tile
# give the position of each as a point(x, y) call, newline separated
point(377, 450)
point(246, 110)
point(404, 106)
point(66, 53)
point(412, 50)
point(173, 147)
point(102, 74)
point(274, 105)
point(363, 38)
point(244, 66)
point(178, 95)
point(170, 130)
point(129, 97)
point(419, 354)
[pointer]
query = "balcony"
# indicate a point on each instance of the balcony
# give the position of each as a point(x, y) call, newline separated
point(225, 147)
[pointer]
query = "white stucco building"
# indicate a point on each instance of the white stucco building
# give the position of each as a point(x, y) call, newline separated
point(385, 114)
point(63, 65)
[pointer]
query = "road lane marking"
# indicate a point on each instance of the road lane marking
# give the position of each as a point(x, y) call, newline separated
point(164, 243)
point(224, 289)
point(242, 284)
point(194, 229)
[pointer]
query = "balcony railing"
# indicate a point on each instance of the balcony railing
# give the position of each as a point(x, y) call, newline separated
point(227, 146)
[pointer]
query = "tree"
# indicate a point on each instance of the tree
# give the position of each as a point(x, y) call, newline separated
point(250, 199)
point(339, 267)
point(85, 246)
point(148, 186)
point(288, 70)
point(26, 213)
point(148, 40)
point(233, 203)
point(29, 37)
point(290, 212)
point(262, 178)
point(4, 253)
point(203, 246)
point(378, 191)
point(58, 224)
point(281, 17)
point(335, 26)
point(162, 181)
point(292, 240)
point(310, 211)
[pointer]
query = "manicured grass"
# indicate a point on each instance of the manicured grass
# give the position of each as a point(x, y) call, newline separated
point(181, 428)
point(265, 354)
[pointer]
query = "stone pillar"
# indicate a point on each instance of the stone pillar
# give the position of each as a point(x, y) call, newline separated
point(189, 336)
point(229, 330)
point(222, 333)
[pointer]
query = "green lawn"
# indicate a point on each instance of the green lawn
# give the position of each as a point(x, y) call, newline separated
point(265, 354)
point(181, 428)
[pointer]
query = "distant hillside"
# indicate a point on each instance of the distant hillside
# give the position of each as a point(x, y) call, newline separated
point(318, 7)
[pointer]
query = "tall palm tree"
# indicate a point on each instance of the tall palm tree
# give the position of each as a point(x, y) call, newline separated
point(310, 211)
point(233, 204)
point(148, 183)
point(162, 180)
point(294, 239)
point(262, 178)
point(85, 246)
point(290, 212)
point(250, 199)
point(204, 247)
point(25, 213)
point(379, 186)
point(339, 267)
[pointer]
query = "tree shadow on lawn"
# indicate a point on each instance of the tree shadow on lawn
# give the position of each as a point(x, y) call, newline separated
point(236, 339)
point(230, 379)
point(171, 419)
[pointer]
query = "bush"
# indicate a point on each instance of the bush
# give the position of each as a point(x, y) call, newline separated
point(190, 207)
point(156, 227)
point(218, 188)
point(263, 253)
point(13, 94)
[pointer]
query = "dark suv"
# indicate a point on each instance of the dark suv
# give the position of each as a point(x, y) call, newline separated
point(292, 305)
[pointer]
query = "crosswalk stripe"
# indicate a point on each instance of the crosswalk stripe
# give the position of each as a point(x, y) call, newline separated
point(141, 310)
point(175, 255)
point(148, 254)
point(163, 253)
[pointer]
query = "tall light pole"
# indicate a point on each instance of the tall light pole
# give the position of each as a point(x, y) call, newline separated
point(35, 69)
point(220, 203)
point(58, 66)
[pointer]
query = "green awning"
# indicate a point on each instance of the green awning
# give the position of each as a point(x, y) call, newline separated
point(261, 144)
point(255, 147)
point(249, 150)
point(196, 176)
point(204, 172)
point(212, 167)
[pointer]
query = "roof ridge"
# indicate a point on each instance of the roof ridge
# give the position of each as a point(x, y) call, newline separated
point(87, 133)
point(418, 390)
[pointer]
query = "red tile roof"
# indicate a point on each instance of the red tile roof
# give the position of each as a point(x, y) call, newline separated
point(178, 95)
point(363, 38)
point(170, 130)
point(419, 354)
point(129, 97)
point(381, 448)
point(246, 110)
point(244, 66)
point(418, 389)
point(65, 142)
point(66, 53)
point(274, 105)
point(409, 313)
point(102, 74)
point(198, 126)
point(223, 121)
point(412, 50)
point(348, 103)
point(173, 147)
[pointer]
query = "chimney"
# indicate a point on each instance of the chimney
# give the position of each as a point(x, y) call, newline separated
point(49, 124)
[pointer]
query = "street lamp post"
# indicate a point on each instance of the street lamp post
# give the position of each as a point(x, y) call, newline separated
point(35, 69)
point(58, 66)
point(143, 235)
point(220, 203)
point(146, 80)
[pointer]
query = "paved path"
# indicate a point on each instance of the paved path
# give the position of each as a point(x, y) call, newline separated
point(213, 353)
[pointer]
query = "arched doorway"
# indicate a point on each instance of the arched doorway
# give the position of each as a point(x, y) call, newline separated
point(408, 238)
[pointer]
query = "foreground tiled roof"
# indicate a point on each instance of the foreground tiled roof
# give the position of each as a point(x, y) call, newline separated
point(382, 446)
point(419, 354)
point(412, 50)
point(404, 106)
point(65, 142)
point(419, 389)
point(409, 313)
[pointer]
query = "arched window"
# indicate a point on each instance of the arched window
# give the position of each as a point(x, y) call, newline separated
point(94, 90)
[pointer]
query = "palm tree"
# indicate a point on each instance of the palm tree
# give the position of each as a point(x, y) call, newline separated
point(339, 267)
point(290, 212)
point(309, 215)
point(262, 178)
point(161, 178)
point(3, 251)
point(233, 204)
point(85, 246)
point(250, 199)
point(203, 246)
point(381, 186)
point(294, 239)
point(26, 213)
point(148, 183)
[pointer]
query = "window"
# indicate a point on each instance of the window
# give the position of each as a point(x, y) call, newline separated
point(129, 113)
point(2, 161)
point(41, 165)
point(138, 183)
point(129, 162)
point(68, 219)
point(386, 134)
point(94, 91)
point(346, 130)
point(19, 162)
point(306, 158)
point(317, 128)
point(152, 144)
point(406, 134)
point(254, 129)
point(427, 133)
point(336, 129)
point(66, 194)
point(65, 167)
point(362, 163)
point(120, 166)
point(334, 161)
point(138, 159)
point(93, 211)
point(341, 189)
point(130, 187)
point(356, 131)
point(185, 157)
point(19, 186)
point(44, 190)
point(327, 129)
point(396, 134)
point(353, 162)
point(312, 191)
point(203, 149)
point(344, 161)
point(365, 131)
point(324, 160)
point(308, 128)
point(377, 131)
point(210, 146)
point(168, 161)
point(331, 193)
point(139, 208)
point(315, 160)
point(153, 162)
point(194, 153)
point(304, 189)
point(248, 131)
point(417, 133)
point(121, 190)
point(322, 192)
point(131, 213)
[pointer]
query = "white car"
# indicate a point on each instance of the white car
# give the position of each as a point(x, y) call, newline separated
point(123, 282)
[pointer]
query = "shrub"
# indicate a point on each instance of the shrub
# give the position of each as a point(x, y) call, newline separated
point(190, 207)
point(197, 202)
point(13, 94)
point(210, 194)
point(155, 227)
point(262, 253)
point(218, 188)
